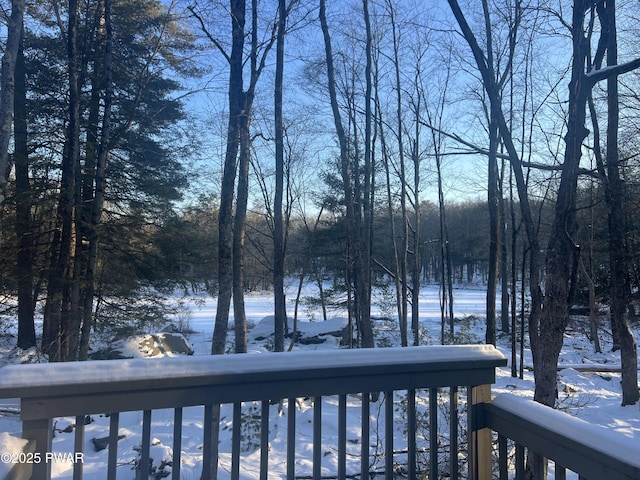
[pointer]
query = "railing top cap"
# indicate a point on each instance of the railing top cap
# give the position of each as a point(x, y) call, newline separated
point(605, 440)
point(18, 380)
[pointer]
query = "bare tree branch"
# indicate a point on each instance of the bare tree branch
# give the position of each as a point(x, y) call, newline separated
point(204, 29)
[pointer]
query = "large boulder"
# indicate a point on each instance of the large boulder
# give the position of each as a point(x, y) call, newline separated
point(334, 330)
point(154, 345)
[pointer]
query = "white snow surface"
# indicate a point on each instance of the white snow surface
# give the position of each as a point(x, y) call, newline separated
point(9, 445)
point(594, 397)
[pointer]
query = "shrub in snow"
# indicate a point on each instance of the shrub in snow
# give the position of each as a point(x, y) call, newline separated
point(160, 460)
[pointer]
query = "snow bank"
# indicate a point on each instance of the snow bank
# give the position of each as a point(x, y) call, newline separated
point(10, 448)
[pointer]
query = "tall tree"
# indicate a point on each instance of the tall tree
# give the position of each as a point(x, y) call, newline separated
point(237, 160)
point(547, 325)
point(23, 228)
point(367, 198)
point(614, 197)
point(280, 311)
point(7, 86)
point(57, 319)
point(403, 256)
point(357, 244)
point(492, 90)
point(142, 122)
point(237, 16)
point(94, 184)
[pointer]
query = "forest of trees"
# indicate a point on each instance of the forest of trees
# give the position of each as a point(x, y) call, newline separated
point(149, 145)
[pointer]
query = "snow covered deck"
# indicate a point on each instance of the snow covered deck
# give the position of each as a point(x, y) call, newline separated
point(398, 393)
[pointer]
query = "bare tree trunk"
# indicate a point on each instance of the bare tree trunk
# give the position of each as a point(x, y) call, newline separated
point(614, 192)
point(361, 271)
point(99, 185)
point(280, 312)
point(225, 218)
point(494, 231)
point(593, 313)
point(514, 277)
point(365, 197)
point(492, 90)
point(562, 252)
point(7, 87)
point(401, 303)
point(401, 253)
point(225, 242)
point(57, 313)
point(504, 263)
point(492, 197)
point(239, 233)
point(446, 273)
point(244, 160)
point(24, 260)
point(415, 265)
point(401, 300)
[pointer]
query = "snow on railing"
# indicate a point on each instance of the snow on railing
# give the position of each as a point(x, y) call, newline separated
point(397, 392)
point(591, 451)
point(374, 376)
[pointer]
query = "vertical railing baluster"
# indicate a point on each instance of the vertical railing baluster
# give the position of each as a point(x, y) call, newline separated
point(453, 432)
point(112, 462)
point(365, 432)
point(411, 433)
point(433, 433)
point(519, 462)
point(291, 439)
point(342, 437)
point(78, 446)
point(388, 434)
point(264, 440)
point(145, 450)
point(503, 459)
point(561, 472)
point(317, 437)
point(209, 447)
point(176, 459)
point(235, 440)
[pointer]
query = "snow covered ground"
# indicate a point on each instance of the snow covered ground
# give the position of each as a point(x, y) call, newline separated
point(594, 397)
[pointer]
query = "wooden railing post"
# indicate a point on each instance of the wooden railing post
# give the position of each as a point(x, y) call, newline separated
point(480, 467)
point(40, 433)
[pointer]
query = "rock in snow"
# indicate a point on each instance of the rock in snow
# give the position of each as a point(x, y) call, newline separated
point(146, 346)
point(309, 333)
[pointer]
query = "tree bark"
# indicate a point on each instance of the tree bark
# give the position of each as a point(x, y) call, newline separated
point(492, 195)
point(366, 196)
point(614, 194)
point(98, 187)
point(225, 242)
point(280, 312)
point(361, 271)
point(401, 304)
point(57, 309)
point(505, 327)
point(24, 260)
point(494, 231)
point(239, 232)
point(492, 90)
point(562, 253)
point(7, 88)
